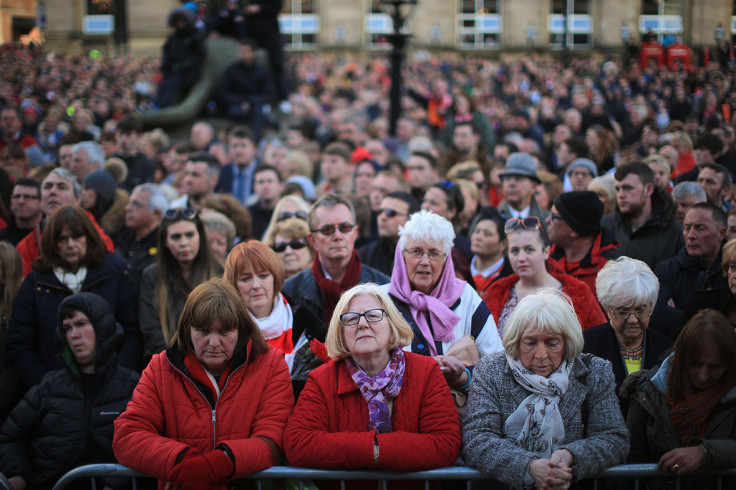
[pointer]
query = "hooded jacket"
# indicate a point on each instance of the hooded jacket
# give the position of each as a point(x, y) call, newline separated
point(52, 429)
point(658, 239)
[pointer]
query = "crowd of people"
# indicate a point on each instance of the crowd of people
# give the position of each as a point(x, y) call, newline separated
point(535, 276)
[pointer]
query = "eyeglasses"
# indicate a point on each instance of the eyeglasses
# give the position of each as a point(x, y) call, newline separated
point(555, 217)
point(328, 230)
point(176, 213)
point(371, 316)
point(528, 223)
point(623, 313)
point(295, 244)
point(136, 205)
point(298, 214)
point(391, 213)
point(418, 253)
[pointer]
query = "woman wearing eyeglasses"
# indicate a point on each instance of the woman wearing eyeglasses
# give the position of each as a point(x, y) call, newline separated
point(289, 241)
point(287, 207)
point(182, 263)
point(528, 253)
point(373, 405)
point(627, 289)
point(440, 308)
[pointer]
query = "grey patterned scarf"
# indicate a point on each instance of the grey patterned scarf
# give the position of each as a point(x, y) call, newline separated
point(537, 424)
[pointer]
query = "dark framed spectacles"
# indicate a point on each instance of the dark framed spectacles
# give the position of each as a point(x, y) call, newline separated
point(418, 253)
point(639, 312)
point(328, 230)
point(554, 217)
point(184, 213)
point(298, 214)
point(528, 223)
point(391, 213)
point(295, 244)
point(371, 316)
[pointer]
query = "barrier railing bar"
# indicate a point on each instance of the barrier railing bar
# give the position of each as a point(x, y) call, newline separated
point(5, 483)
point(448, 473)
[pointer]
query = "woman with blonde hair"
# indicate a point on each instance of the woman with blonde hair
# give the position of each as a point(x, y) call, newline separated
point(289, 241)
point(604, 187)
point(288, 207)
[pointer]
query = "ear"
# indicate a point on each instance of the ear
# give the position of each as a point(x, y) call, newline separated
point(546, 253)
point(721, 234)
point(649, 189)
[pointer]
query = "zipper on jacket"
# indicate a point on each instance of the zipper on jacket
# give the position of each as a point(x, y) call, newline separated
point(214, 426)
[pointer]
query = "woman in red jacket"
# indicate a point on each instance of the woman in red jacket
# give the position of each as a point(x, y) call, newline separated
point(373, 405)
point(528, 253)
point(212, 407)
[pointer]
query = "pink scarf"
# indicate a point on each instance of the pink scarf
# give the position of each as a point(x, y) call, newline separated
point(437, 304)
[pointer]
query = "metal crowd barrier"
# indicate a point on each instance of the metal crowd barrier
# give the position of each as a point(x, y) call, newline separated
point(5, 483)
point(636, 471)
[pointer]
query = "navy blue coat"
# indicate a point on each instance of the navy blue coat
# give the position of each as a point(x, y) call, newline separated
point(32, 346)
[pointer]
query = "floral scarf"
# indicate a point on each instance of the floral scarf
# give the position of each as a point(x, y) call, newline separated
point(377, 390)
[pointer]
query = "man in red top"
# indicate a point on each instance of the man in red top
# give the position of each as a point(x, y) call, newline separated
point(59, 189)
point(579, 247)
point(11, 126)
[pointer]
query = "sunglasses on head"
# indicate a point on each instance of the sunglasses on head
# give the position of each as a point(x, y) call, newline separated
point(447, 184)
point(295, 244)
point(328, 230)
point(529, 223)
point(298, 214)
point(184, 213)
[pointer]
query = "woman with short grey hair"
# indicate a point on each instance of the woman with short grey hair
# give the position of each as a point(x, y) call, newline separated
point(627, 289)
point(541, 413)
point(440, 308)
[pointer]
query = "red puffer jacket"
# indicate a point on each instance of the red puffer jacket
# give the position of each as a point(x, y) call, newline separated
point(329, 427)
point(586, 305)
point(169, 413)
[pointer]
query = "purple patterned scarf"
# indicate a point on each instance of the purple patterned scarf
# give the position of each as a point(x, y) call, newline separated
point(380, 388)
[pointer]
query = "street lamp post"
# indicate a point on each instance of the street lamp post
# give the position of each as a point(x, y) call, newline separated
point(398, 41)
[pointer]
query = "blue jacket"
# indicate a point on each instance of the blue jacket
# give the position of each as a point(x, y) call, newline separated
point(32, 346)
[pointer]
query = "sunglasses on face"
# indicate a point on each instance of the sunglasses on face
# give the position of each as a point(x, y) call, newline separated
point(529, 223)
point(298, 214)
point(391, 213)
point(328, 230)
point(295, 244)
point(176, 213)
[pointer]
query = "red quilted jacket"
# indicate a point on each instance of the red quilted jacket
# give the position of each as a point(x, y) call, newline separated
point(586, 305)
point(329, 426)
point(168, 413)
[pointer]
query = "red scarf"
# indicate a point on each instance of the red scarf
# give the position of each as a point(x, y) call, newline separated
point(689, 415)
point(199, 374)
point(332, 290)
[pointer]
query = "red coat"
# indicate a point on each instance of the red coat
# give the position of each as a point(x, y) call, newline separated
point(329, 427)
point(168, 413)
point(586, 305)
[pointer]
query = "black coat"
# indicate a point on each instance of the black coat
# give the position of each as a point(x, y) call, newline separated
point(601, 341)
point(184, 52)
point(245, 83)
point(60, 419)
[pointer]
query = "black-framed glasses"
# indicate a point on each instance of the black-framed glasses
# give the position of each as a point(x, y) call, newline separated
point(298, 214)
point(391, 213)
point(176, 213)
point(554, 217)
point(295, 244)
point(639, 312)
point(371, 316)
point(328, 230)
point(528, 223)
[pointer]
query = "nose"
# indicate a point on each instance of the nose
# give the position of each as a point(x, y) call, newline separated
point(256, 282)
point(213, 340)
point(540, 351)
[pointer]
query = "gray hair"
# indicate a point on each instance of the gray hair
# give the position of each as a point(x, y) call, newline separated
point(157, 199)
point(328, 201)
point(427, 227)
point(94, 152)
point(626, 282)
point(689, 189)
point(548, 310)
point(219, 223)
point(69, 177)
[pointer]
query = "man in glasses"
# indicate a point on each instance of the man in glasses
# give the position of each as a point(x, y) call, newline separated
point(393, 212)
point(519, 180)
point(25, 210)
point(644, 222)
point(136, 243)
point(313, 293)
point(579, 247)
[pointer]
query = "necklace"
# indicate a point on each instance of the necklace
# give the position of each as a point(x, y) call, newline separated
point(632, 354)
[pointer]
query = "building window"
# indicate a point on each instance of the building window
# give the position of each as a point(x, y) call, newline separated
point(661, 18)
point(99, 7)
point(299, 24)
point(377, 25)
point(479, 24)
point(579, 24)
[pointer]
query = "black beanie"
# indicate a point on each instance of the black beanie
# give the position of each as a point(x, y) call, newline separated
point(581, 210)
point(102, 183)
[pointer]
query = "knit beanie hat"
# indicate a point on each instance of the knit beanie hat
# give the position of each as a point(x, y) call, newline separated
point(584, 163)
point(102, 183)
point(581, 210)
